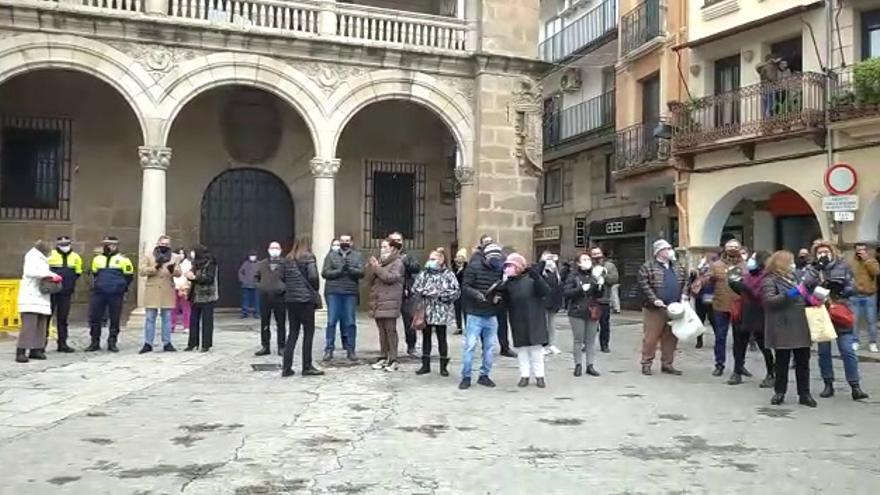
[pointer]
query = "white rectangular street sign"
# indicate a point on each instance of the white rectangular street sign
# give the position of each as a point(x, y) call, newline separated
point(844, 202)
point(844, 216)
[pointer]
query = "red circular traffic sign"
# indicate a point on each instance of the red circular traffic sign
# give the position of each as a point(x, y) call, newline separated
point(841, 179)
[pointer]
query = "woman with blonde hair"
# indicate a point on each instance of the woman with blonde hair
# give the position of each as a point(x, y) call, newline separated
point(439, 290)
point(459, 265)
point(786, 329)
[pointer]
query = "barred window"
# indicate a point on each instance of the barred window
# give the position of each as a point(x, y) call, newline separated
point(553, 187)
point(34, 168)
point(395, 202)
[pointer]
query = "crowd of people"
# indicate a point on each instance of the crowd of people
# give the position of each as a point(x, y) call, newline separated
point(486, 293)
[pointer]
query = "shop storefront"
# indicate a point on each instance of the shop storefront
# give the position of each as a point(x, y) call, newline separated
point(547, 238)
point(623, 242)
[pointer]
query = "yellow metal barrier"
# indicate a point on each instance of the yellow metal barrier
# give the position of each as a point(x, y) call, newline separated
point(9, 319)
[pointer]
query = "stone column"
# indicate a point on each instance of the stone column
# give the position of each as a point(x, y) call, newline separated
point(468, 207)
point(154, 162)
point(324, 212)
point(327, 18)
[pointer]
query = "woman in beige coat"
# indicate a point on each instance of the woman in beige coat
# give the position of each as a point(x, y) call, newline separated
point(385, 279)
point(159, 268)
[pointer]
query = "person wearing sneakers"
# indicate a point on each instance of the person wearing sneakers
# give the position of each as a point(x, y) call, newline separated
point(523, 290)
point(583, 288)
point(864, 301)
point(481, 307)
point(438, 288)
point(553, 301)
point(662, 282)
point(386, 278)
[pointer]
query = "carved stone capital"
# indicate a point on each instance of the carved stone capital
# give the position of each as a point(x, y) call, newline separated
point(465, 176)
point(324, 168)
point(156, 157)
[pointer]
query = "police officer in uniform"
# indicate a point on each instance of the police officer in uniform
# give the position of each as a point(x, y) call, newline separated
point(112, 273)
point(68, 264)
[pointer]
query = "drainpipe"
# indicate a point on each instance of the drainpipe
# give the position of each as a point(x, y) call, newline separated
point(836, 227)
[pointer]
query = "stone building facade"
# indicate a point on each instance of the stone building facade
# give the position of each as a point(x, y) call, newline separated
point(235, 123)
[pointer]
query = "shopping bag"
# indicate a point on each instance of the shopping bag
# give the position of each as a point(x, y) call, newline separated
point(419, 316)
point(689, 326)
point(819, 321)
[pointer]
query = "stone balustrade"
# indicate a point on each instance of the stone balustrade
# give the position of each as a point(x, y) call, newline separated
point(325, 19)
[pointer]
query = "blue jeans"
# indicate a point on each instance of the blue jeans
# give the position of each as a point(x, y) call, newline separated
point(341, 310)
point(250, 302)
point(847, 354)
point(479, 327)
point(150, 325)
point(722, 323)
point(865, 307)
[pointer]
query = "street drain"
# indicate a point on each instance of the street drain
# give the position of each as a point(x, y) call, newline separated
point(266, 366)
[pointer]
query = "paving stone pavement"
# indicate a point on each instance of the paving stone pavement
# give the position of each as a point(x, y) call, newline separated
point(194, 423)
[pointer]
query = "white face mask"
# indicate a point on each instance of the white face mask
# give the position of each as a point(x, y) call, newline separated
point(192, 255)
point(335, 248)
point(274, 253)
point(64, 249)
point(252, 258)
point(671, 255)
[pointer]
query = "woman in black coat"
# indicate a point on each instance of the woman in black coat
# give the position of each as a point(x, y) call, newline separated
point(523, 291)
point(583, 290)
point(301, 297)
point(203, 295)
point(553, 301)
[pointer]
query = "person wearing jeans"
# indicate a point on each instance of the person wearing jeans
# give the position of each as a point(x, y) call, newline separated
point(724, 297)
point(479, 329)
point(159, 267)
point(343, 269)
point(864, 302)
point(481, 277)
point(834, 274)
point(247, 278)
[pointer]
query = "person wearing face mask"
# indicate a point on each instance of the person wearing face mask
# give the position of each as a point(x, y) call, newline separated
point(553, 301)
point(247, 279)
point(409, 303)
point(34, 303)
point(523, 290)
point(835, 275)
point(386, 278)
point(724, 298)
point(583, 290)
point(343, 269)
point(182, 286)
point(864, 300)
point(159, 268)
point(66, 263)
point(801, 262)
point(438, 287)
point(112, 273)
point(270, 282)
point(482, 273)
point(203, 295)
point(749, 287)
point(608, 271)
point(459, 267)
point(662, 282)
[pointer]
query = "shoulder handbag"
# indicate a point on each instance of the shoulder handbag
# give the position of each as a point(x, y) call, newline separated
point(595, 312)
point(819, 321)
point(47, 286)
point(841, 315)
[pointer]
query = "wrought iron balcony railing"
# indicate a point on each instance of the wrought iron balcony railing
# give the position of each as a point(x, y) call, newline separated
point(766, 110)
point(593, 116)
point(853, 94)
point(640, 25)
point(593, 28)
point(636, 147)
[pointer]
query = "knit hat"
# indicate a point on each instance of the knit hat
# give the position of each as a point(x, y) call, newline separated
point(516, 260)
point(492, 251)
point(660, 245)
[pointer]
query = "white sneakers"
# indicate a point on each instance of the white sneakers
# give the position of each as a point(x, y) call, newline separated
point(392, 367)
point(380, 365)
point(555, 350)
point(855, 346)
point(873, 347)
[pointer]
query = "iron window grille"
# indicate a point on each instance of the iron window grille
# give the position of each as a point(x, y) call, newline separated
point(394, 201)
point(35, 168)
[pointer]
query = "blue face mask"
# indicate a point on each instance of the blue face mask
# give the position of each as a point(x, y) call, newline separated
point(432, 265)
point(752, 265)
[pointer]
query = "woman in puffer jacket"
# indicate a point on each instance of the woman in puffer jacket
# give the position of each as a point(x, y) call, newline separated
point(438, 287)
point(385, 279)
point(582, 288)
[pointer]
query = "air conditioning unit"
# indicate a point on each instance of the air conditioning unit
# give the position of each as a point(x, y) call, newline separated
point(571, 80)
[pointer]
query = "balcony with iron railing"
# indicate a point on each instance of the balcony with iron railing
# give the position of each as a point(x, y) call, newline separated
point(308, 19)
point(591, 118)
point(637, 148)
point(641, 25)
point(855, 91)
point(589, 31)
point(768, 111)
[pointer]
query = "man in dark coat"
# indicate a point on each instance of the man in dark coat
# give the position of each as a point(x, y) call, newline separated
point(343, 270)
point(608, 273)
point(407, 310)
point(481, 275)
point(662, 282)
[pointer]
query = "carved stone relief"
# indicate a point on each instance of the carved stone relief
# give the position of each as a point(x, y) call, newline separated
point(157, 60)
point(526, 109)
point(329, 76)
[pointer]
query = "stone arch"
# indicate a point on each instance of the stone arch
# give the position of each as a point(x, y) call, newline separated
point(28, 52)
point(710, 229)
point(869, 225)
point(201, 74)
point(452, 108)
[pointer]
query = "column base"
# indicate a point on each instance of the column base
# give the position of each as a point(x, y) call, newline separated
point(135, 319)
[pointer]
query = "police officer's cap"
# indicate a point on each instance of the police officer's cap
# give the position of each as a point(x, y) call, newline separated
point(111, 239)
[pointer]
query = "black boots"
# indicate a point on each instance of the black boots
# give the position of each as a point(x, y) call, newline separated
point(426, 366)
point(735, 379)
point(646, 370)
point(169, 348)
point(777, 399)
point(465, 384)
point(111, 346)
point(768, 381)
point(444, 366)
point(807, 400)
point(578, 370)
point(719, 370)
point(669, 370)
point(592, 371)
point(38, 354)
point(145, 349)
point(523, 382)
point(64, 348)
point(829, 389)
point(264, 351)
point(21, 356)
point(94, 346)
point(857, 393)
point(540, 383)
